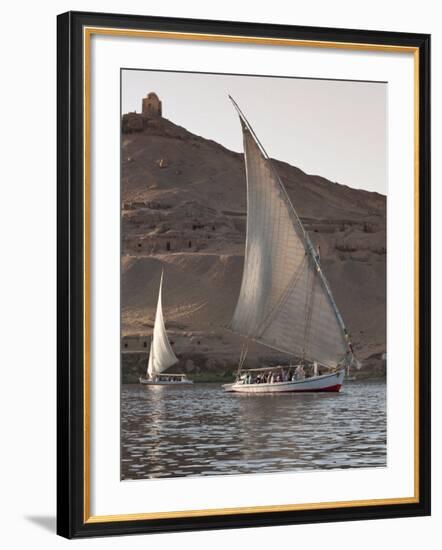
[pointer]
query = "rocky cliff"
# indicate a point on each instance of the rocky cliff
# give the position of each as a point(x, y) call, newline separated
point(184, 208)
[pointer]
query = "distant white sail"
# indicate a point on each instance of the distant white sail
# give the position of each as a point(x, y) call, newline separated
point(161, 355)
point(285, 301)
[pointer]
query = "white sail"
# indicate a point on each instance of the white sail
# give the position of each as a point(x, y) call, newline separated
point(161, 354)
point(285, 301)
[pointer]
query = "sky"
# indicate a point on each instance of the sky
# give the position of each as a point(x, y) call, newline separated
point(335, 129)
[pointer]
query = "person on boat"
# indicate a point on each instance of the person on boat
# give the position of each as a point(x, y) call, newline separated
point(315, 368)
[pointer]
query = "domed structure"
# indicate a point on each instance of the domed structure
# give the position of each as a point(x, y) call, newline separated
point(152, 106)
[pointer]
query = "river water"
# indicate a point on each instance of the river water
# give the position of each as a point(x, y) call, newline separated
point(169, 431)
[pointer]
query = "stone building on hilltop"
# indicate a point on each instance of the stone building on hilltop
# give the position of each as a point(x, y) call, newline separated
point(151, 107)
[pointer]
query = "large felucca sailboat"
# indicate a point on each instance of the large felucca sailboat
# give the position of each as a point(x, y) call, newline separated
point(285, 301)
point(161, 355)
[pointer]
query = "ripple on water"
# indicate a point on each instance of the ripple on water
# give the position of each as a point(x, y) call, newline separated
point(200, 430)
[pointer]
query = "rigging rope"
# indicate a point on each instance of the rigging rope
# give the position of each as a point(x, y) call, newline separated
point(308, 312)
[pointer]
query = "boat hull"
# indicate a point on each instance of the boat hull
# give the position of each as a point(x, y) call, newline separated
point(149, 382)
point(324, 383)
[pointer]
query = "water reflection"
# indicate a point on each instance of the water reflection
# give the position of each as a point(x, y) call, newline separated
point(172, 431)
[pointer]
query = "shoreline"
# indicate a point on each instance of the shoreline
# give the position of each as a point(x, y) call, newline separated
point(207, 370)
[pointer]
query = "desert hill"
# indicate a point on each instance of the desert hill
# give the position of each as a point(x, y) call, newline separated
point(184, 208)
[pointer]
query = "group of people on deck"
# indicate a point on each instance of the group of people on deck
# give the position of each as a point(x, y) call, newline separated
point(283, 375)
point(167, 378)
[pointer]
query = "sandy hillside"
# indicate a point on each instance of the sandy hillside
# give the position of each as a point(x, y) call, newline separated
point(184, 208)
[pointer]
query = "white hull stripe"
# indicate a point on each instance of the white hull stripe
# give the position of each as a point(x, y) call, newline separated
point(327, 382)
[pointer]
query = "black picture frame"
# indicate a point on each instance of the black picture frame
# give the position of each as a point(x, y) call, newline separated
point(72, 520)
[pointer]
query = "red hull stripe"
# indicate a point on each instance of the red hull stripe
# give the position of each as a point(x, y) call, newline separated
point(336, 387)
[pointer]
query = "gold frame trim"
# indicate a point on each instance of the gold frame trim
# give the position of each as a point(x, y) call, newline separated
point(87, 34)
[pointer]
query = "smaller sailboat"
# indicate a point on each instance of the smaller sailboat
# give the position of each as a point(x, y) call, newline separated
point(161, 355)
